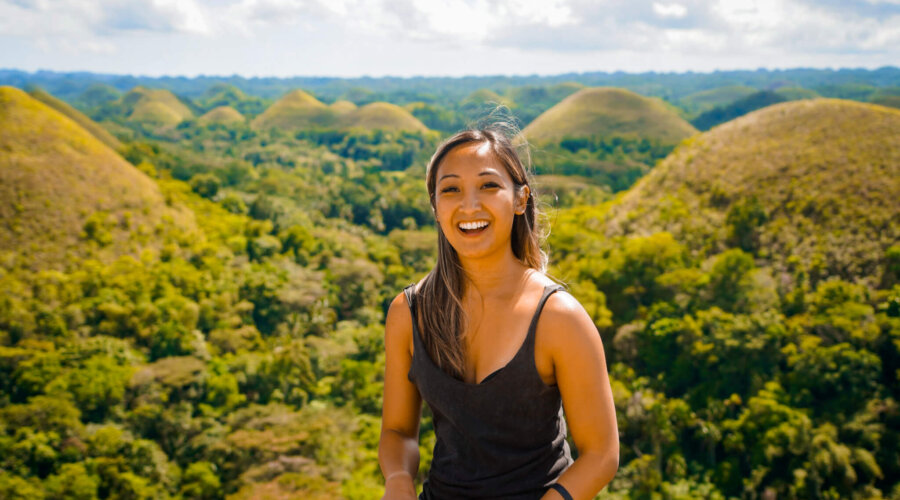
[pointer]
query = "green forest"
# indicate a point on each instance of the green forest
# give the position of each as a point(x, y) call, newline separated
point(194, 275)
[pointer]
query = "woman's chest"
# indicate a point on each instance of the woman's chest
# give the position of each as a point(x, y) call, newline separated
point(494, 339)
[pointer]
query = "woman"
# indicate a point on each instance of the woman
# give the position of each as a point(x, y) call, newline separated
point(494, 347)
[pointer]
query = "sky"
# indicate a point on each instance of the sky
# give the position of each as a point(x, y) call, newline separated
point(351, 38)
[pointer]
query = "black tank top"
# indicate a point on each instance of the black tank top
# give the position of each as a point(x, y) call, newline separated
point(503, 438)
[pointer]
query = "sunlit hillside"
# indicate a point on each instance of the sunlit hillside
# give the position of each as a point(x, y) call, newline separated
point(796, 93)
point(818, 180)
point(484, 97)
point(296, 110)
point(78, 117)
point(382, 116)
point(154, 107)
point(222, 115)
point(719, 96)
point(97, 94)
point(342, 107)
point(598, 112)
point(222, 93)
point(66, 193)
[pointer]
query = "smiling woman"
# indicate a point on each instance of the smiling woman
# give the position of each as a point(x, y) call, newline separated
point(495, 348)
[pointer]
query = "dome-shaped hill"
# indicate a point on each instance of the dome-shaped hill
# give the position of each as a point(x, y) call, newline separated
point(223, 91)
point(384, 116)
point(484, 96)
point(91, 126)
point(605, 111)
point(224, 115)
point(296, 110)
point(60, 186)
point(98, 94)
point(816, 179)
point(155, 107)
point(796, 93)
point(719, 96)
point(155, 113)
point(342, 107)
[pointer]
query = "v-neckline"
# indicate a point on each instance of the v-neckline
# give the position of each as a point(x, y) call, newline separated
point(532, 324)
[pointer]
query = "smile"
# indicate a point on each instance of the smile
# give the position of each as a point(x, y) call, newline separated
point(473, 227)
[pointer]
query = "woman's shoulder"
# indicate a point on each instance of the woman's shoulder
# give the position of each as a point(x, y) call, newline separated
point(398, 322)
point(559, 302)
point(398, 327)
point(564, 317)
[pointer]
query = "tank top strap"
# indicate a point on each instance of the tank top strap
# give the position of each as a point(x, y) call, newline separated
point(410, 292)
point(548, 291)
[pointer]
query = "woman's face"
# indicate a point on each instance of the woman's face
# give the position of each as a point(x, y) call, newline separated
point(476, 201)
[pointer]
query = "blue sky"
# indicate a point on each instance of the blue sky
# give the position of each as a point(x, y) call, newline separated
point(450, 38)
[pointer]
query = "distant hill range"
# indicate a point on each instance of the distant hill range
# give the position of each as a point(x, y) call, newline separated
point(64, 192)
point(816, 181)
point(670, 86)
point(606, 112)
point(300, 110)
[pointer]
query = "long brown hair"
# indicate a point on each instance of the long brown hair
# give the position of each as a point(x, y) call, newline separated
point(439, 298)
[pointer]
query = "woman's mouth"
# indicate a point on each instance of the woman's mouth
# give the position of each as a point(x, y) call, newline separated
point(473, 228)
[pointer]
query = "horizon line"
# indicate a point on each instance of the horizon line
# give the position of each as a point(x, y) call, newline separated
point(452, 77)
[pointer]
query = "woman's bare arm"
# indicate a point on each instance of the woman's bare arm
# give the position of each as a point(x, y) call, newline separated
point(579, 365)
point(398, 448)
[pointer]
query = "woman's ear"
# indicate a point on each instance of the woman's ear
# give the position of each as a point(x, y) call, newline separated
point(522, 199)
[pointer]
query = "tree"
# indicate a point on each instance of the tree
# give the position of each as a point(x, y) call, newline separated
point(206, 185)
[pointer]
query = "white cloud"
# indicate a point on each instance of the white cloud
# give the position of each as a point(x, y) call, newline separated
point(608, 31)
point(675, 10)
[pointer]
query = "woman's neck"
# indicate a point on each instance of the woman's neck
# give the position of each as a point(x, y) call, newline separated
point(495, 277)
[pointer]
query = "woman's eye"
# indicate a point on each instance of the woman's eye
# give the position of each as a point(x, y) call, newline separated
point(448, 189)
point(491, 185)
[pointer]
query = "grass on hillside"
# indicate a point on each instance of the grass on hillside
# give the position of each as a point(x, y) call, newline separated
point(155, 106)
point(816, 179)
point(699, 102)
point(65, 192)
point(78, 117)
point(299, 110)
point(222, 114)
point(598, 112)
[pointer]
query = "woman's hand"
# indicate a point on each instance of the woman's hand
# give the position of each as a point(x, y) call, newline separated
point(399, 486)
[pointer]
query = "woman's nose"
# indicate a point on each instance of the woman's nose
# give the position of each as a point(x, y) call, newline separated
point(471, 201)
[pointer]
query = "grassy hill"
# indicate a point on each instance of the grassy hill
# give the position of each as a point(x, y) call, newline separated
point(796, 93)
point(341, 107)
point(222, 114)
point(154, 107)
point(223, 92)
point(740, 107)
point(812, 182)
point(720, 96)
point(78, 117)
point(296, 110)
point(484, 97)
point(65, 192)
point(604, 111)
point(383, 116)
point(299, 110)
point(97, 94)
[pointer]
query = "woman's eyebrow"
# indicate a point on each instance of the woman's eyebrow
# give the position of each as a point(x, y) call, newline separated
point(486, 172)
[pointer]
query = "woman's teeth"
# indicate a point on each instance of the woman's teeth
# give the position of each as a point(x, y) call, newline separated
point(473, 226)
